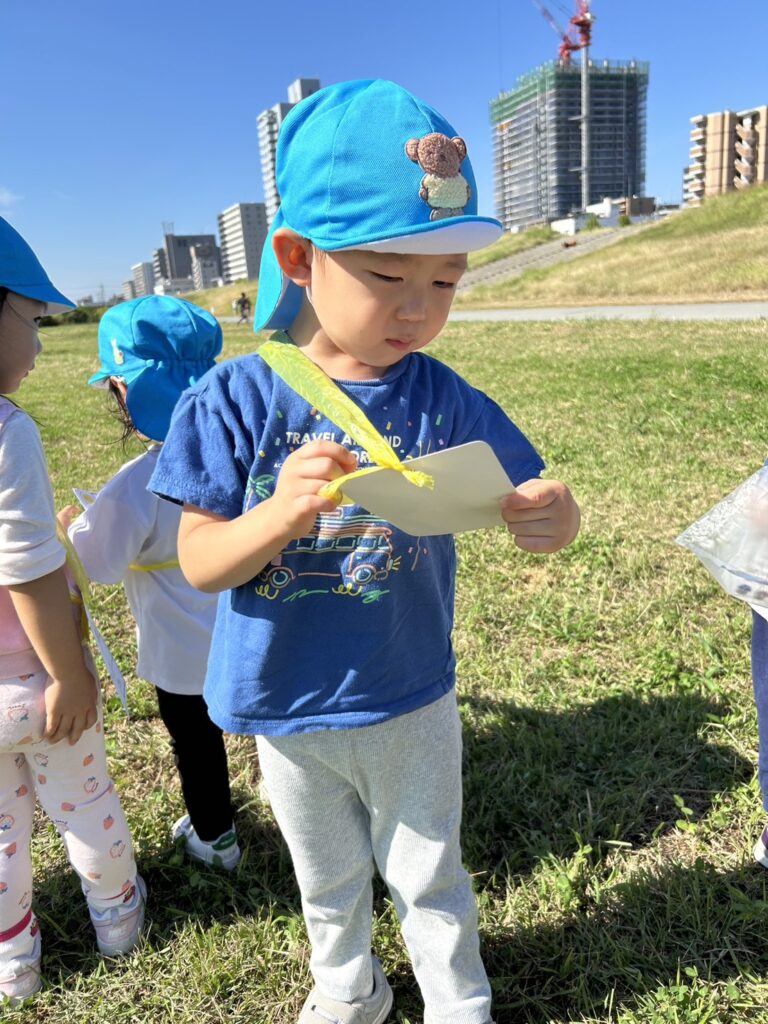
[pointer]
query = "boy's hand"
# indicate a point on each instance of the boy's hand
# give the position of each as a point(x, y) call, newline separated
point(302, 475)
point(541, 515)
point(70, 706)
point(68, 515)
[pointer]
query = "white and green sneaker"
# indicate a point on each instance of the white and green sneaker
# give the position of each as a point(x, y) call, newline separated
point(223, 852)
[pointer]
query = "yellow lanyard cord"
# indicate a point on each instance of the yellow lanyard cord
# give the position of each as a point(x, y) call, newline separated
point(82, 596)
point(317, 388)
point(154, 566)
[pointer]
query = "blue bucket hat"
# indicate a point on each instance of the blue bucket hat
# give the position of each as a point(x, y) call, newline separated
point(159, 346)
point(21, 272)
point(366, 165)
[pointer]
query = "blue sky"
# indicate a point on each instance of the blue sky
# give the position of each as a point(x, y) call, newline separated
point(118, 117)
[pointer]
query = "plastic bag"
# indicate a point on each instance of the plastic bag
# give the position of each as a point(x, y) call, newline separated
point(731, 540)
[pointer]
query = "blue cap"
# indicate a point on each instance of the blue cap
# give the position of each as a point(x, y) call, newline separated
point(366, 165)
point(22, 272)
point(159, 346)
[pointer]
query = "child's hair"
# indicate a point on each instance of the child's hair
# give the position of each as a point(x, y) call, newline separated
point(159, 346)
point(366, 165)
point(120, 412)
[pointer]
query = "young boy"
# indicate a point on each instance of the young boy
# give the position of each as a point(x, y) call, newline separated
point(333, 635)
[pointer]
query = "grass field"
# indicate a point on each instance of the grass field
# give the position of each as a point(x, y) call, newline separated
point(610, 735)
point(510, 245)
point(715, 253)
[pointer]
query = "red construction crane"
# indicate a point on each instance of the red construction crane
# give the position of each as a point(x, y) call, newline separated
point(581, 21)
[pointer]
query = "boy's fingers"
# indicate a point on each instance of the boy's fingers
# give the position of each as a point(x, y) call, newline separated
point(535, 528)
point(534, 494)
point(327, 449)
point(536, 545)
point(524, 515)
point(324, 469)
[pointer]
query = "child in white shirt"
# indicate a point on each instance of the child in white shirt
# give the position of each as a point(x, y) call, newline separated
point(51, 729)
point(151, 349)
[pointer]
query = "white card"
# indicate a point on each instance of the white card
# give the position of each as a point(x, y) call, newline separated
point(113, 669)
point(85, 498)
point(469, 481)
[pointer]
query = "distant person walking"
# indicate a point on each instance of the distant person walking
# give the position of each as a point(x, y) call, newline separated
point(244, 308)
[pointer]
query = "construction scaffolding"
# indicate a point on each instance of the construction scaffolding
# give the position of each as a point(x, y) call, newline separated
point(537, 140)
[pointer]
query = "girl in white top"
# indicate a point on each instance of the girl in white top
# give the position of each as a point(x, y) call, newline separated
point(51, 732)
point(151, 349)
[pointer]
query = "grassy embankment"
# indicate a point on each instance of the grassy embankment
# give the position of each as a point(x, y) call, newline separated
point(609, 728)
point(715, 253)
point(219, 300)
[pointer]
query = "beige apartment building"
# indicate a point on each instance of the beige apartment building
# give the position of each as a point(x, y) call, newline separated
point(729, 151)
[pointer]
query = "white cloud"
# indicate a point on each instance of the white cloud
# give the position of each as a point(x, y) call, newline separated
point(7, 199)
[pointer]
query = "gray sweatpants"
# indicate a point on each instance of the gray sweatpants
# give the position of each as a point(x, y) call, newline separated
point(389, 794)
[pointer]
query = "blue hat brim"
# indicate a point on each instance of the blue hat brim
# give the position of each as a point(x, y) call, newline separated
point(54, 301)
point(22, 273)
point(278, 299)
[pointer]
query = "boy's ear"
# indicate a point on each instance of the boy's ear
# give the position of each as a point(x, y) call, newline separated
point(294, 255)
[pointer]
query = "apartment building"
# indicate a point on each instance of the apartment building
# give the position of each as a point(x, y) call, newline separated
point(269, 122)
point(143, 278)
point(729, 151)
point(242, 231)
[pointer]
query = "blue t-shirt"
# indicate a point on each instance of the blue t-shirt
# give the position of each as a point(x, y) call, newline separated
point(350, 625)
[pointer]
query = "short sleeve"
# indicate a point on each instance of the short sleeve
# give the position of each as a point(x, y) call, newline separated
point(202, 462)
point(110, 534)
point(29, 548)
point(513, 449)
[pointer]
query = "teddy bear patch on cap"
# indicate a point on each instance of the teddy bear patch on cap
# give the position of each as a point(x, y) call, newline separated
point(443, 187)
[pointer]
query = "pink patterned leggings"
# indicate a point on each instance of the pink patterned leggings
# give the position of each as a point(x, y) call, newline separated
point(73, 786)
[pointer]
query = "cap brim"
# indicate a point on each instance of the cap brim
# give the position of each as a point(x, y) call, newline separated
point(100, 379)
point(54, 301)
point(459, 234)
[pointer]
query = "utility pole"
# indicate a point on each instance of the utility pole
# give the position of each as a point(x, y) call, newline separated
point(585, 161)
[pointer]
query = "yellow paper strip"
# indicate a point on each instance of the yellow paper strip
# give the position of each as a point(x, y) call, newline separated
point(317, 388)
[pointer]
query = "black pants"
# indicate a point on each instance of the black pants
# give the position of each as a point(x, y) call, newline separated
point(201, 759)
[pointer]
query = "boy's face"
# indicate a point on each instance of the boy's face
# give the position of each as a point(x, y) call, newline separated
point(374, 308)
point(19, 344)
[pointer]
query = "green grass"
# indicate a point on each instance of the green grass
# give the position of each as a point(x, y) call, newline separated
point(610, 735)
point(716, 252)
point(510, 245)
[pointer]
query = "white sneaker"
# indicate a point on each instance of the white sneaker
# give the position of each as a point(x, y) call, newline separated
point(118, 928)
point(760, 849)
point(20, 977)
point(223, 852)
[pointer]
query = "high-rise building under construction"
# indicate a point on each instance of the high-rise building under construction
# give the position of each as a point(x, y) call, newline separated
point(537, 139)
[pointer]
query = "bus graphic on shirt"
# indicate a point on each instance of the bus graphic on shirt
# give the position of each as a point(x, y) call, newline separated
point(353, 550)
